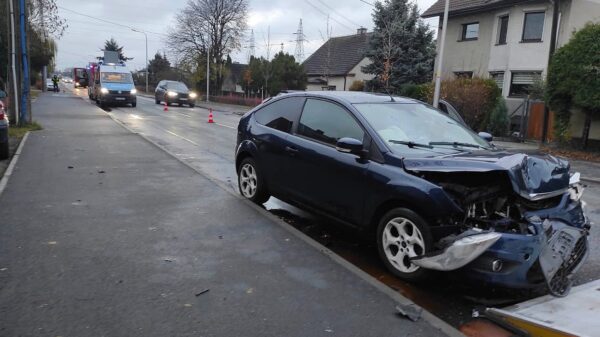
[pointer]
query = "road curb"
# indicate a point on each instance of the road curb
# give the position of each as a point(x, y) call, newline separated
point(590, 180)
point(13, 163)
point(428, 317)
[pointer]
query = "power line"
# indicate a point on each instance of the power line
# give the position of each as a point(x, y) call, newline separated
point(338, 14)
point(107, 21)
point(325, 14)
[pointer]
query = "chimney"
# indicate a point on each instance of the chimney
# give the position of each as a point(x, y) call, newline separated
point(361, 31)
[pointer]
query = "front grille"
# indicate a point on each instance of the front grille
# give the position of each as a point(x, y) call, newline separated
point(119, 92)
point(183, 95)
point(561, 282)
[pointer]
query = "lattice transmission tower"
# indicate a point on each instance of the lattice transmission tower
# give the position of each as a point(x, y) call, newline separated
point(300, 38)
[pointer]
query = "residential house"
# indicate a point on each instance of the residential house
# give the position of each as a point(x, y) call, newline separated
point(338, 62)
point(509, 41)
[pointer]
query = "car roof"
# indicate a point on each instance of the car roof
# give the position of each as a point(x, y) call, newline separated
point(354, 97)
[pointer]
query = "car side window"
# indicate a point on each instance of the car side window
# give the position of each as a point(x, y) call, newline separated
point(280, 114)
point(328, 122)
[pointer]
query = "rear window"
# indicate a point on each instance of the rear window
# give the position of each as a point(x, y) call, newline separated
point(280, 114)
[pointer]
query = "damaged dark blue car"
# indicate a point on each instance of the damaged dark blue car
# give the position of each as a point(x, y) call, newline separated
point(436, 195)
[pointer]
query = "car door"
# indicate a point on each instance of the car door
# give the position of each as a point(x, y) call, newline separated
point(271, 127)
point(317, 173)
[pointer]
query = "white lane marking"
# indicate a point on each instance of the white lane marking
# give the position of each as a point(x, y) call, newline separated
point(176, 135)
point(226, 126)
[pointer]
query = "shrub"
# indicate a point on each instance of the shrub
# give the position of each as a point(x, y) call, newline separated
point(357, 86)
point(474, 98)
point(499, 121)
point(416, 91)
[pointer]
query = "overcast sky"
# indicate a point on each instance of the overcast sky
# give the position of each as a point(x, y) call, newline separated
point(85, 36)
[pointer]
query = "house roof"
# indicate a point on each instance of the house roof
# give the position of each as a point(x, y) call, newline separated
point(344, 52)
point(459, 7)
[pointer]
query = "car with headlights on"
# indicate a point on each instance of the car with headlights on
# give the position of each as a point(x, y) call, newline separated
point(176, 92)
point(431, 193)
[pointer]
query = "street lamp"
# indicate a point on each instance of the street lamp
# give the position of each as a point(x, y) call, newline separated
point(438, 73)
point(147, 70)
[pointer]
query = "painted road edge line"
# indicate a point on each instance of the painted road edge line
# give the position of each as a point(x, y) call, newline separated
point(428, 317)
point(13, 163)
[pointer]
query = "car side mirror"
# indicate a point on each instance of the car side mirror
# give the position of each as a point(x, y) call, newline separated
point(486, 136)
point(350, 145)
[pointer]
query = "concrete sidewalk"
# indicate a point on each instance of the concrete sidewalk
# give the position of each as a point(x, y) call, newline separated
point(103, 234)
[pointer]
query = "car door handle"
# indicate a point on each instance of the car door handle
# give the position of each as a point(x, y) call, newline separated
point(291, 150)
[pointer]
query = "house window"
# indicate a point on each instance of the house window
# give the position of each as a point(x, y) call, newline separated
point(470, 31)
point(329, 88)
point(533, 27)
point(498, 77)
point(502, 29)
point(521, 82)
point(463, 74)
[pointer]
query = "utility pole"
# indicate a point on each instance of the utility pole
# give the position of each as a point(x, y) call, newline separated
point(13, 52)
point(147, 66)
point(208, 73)
point(438, 72)
point(24, 62)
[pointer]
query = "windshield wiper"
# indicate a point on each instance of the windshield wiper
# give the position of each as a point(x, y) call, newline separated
point(410, 144)
point(457, 144)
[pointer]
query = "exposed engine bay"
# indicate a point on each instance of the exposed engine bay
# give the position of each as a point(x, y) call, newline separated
point(533, 211)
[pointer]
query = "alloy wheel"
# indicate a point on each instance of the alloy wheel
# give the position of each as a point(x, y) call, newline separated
point(248, 180)
point(402, 240)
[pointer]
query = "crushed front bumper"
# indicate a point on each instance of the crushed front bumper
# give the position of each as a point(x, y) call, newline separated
point(551, 255)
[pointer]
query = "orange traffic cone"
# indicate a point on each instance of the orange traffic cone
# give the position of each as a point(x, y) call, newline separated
point(166, 108)
point(210, 116)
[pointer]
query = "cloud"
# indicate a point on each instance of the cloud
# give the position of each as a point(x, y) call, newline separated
point(84, 37)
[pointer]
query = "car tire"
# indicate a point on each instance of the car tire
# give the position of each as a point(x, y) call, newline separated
point(192, 105)
point(157, 101)
point(133, 104)
point(251, 183)
point(4, 151)
point(401, 234)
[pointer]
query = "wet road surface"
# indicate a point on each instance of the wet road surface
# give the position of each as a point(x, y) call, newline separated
point(185, 132)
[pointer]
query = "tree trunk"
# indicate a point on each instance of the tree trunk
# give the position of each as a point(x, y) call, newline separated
point(586, 128)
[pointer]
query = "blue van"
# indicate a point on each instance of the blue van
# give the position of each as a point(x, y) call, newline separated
point(113, 84)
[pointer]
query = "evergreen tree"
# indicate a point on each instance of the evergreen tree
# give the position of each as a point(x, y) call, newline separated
point(112, 45)
point(401, 50)
point(158, 64)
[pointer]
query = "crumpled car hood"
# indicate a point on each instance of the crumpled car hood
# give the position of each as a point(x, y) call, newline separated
point(532, 176)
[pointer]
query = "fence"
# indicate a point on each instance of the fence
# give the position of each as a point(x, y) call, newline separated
point(527, 121)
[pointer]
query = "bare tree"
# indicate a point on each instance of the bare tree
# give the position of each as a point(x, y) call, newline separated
point(214, 27)
point(44, 18)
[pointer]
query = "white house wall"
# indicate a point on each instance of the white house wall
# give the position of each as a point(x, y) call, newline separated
point(467, 55)
point(580, 13)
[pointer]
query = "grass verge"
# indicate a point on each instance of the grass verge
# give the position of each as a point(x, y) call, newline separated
point(20, 131)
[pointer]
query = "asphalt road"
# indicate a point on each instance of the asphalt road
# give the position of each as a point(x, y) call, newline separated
point(185, 132)
point(104, 234)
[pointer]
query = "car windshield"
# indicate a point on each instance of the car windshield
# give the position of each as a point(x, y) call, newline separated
point(117, 77)
point(414, 126)
point(177, 86)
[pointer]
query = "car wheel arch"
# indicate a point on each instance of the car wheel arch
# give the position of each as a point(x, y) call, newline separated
point(390, 204)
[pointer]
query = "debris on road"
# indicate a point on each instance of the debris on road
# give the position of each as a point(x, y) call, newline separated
point(101, 171)
point(69, 167)
point(202, 292)
point(411, 311)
